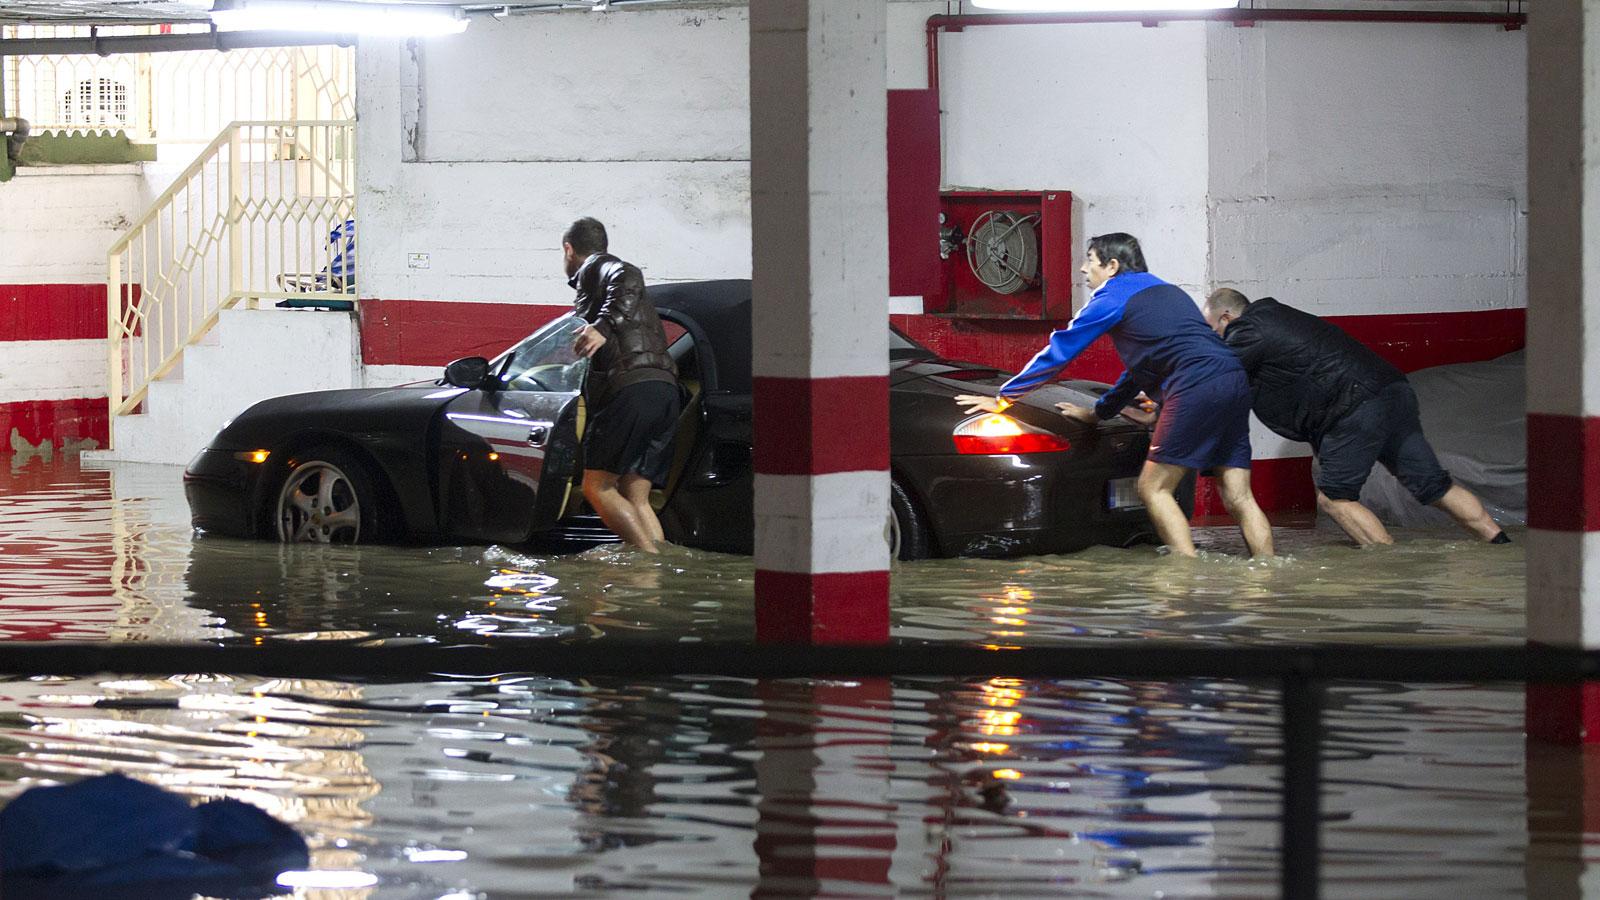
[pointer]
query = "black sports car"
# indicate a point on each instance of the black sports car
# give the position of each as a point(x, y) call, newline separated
point(492, 452)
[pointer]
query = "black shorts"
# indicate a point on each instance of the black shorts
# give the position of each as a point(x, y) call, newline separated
point(632, 433)
point(1385, 429)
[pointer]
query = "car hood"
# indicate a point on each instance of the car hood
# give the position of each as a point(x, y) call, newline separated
point(349, 410)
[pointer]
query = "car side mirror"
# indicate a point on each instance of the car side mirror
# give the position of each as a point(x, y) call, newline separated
point(470, 372)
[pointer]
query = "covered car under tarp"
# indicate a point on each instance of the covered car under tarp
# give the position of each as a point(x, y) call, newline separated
point(1474, 415)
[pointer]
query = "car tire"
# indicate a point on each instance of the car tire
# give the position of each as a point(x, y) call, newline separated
point(328, 495)
point(909, 537)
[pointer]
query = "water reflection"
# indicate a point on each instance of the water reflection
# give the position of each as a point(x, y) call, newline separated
point(526, 786)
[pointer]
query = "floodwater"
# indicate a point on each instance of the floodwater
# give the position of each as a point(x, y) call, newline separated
point(533, 787)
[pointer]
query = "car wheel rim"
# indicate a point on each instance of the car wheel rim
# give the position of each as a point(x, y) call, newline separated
point(894, 536)
point(318, 505)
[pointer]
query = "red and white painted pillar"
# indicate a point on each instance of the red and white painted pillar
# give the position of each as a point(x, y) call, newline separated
point(1563, 606)
point(821, 286)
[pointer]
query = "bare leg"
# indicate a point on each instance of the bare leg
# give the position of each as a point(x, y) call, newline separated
point(1157, 484)
point(1240, 503)
point(636, 488)
point(1463, 506)
point(616, 511)
point(1356, 520)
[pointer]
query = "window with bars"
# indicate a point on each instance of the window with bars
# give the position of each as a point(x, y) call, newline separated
point(95, 103)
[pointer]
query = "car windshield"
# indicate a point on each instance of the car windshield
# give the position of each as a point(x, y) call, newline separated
point(544, 361)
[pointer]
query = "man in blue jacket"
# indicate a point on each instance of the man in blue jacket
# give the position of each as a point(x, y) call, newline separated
point(1173, 357)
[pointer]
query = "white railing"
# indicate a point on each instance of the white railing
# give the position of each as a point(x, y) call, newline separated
point(267, 211)
point(175, 97)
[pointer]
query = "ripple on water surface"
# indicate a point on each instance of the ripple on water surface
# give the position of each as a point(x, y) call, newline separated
point(523, 786)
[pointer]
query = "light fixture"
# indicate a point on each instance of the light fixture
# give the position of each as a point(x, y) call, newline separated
point(338, 17)
point(1103, 6)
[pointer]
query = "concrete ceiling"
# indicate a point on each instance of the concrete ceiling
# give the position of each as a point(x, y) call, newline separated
point(145, 12)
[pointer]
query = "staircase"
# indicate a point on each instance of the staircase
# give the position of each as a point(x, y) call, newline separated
point(250, 355)
point(249, 220)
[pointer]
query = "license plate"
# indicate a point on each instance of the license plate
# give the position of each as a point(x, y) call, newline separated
point(1123, 493)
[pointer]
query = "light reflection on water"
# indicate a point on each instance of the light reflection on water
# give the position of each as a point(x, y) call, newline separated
point(706, 787)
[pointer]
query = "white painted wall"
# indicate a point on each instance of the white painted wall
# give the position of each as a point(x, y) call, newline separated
point(56, 223)
point(1366, 169)
point(480, 149)
point(1117, 114)
point(1369, 169)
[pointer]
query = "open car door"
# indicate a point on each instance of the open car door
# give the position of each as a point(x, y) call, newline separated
point(508, 456)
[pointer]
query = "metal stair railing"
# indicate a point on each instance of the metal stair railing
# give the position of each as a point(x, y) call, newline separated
point(249, 219)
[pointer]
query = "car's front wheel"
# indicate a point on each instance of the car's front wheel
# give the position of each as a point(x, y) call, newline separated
point(328, 496)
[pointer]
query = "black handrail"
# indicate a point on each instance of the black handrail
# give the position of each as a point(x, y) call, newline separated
point(1302, 672)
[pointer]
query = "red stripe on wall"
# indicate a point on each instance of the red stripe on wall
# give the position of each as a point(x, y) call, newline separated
point(913, 208)
point(1563, 713)
point(1279, 485)
point(1415, 341)
point(1410, 342)
point(1005, 344)
point(814, 426)
point(1563, 472)
point(55, 421)
point(822, 608)
point(52, 312)
point(434, 332)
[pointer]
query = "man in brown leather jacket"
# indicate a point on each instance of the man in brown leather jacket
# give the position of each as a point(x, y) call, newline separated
point(632, 390)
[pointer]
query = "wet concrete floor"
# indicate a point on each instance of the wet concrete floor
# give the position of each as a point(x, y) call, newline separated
point(524, 786)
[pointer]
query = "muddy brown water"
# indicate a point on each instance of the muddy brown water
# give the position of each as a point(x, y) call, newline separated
point(523, 786)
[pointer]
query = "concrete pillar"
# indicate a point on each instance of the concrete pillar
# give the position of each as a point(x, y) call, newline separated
point(826, 822)
point(1563, 609)
point(1564, 355)
point(819, 228)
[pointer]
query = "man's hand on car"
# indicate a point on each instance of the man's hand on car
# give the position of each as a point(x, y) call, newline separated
point(1143, 411)
point(589, 341)
point(977, 403)
point(1081, 413)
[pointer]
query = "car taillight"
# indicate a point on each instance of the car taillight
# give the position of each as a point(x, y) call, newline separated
point(991, 433)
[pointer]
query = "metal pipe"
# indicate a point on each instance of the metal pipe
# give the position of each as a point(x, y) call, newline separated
point(16, 131)
point(1509, 20)
point(164, 43)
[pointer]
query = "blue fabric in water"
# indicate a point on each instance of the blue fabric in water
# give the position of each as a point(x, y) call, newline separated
point(113, 836)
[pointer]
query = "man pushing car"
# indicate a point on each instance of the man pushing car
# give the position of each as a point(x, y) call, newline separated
point(1171, 356)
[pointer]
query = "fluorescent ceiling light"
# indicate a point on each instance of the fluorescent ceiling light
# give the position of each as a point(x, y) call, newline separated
point(1103, 6)
point(338, 16)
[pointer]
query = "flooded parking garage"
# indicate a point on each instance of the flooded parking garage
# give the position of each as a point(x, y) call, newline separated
point(530, 786)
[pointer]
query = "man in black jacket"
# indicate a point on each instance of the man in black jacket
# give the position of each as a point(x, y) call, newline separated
point(1312, 382)
point(632, 389)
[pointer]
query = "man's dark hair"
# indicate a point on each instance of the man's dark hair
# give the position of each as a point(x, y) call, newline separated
point(1228, 300)
point(587, 236)
point(1124, 248)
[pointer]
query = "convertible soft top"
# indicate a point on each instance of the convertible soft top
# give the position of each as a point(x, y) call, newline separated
point(722, 309)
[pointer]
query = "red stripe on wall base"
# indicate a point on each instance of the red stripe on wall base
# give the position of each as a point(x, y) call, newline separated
point(434, 332)
point(1563, 472)
point(814, 426)
point(1279, 485)
point(54, 421)
point(1563, 713)
point(52, 312)
point(1415, 341)
point(822, 608)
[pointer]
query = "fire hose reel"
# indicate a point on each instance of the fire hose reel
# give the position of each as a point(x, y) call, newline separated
point(1007, 254)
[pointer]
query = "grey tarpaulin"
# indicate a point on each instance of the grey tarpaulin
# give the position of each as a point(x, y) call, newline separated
point(1474, 415)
